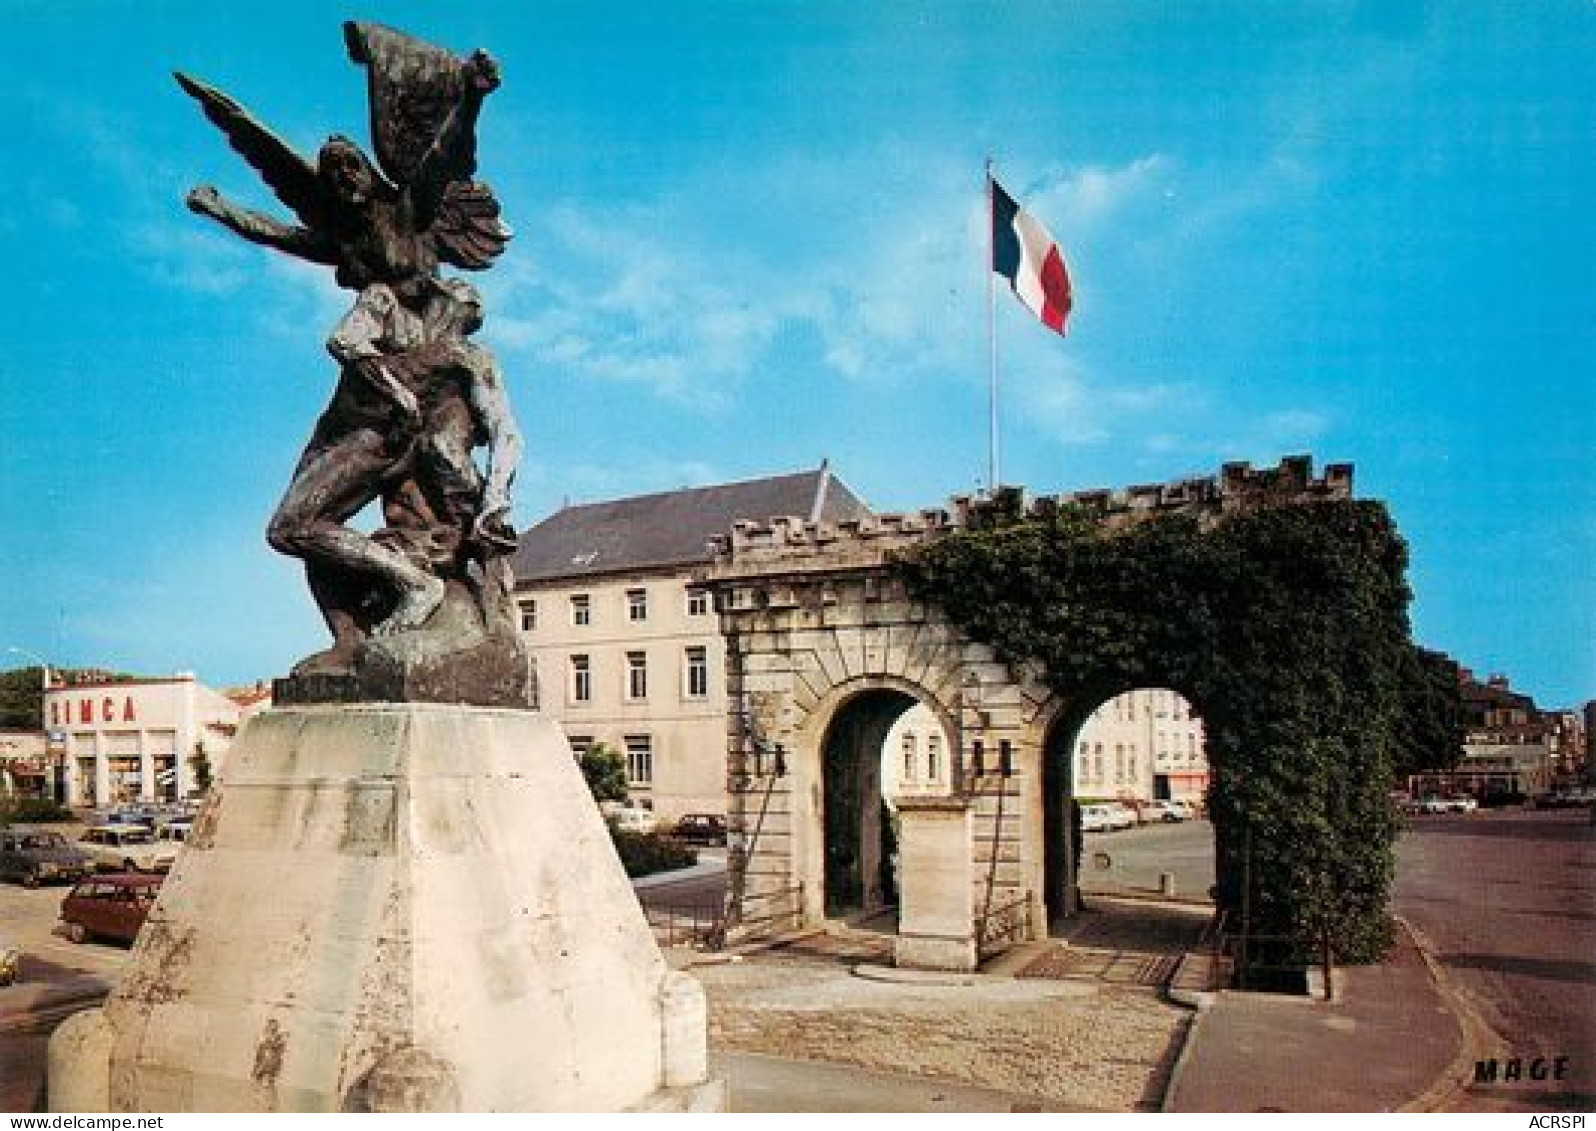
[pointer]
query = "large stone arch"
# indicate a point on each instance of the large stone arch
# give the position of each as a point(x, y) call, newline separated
point(814, 614)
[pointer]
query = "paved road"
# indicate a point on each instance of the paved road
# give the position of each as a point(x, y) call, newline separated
point(1133, 860)
point(1507, 901)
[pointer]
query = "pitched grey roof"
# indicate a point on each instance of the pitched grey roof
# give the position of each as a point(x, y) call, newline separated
point(672, 528)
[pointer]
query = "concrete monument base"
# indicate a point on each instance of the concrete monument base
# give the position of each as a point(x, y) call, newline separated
point(395, 907)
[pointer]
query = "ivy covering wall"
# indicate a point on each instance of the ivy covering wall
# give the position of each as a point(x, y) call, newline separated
point(1287, 629)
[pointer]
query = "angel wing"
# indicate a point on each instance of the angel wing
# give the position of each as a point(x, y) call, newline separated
point(287, 173)
point(467, 231)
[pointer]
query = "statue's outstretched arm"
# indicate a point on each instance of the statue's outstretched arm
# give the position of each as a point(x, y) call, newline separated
point(257, 227)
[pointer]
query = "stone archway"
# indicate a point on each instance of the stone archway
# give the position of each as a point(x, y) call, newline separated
point(857, 835)
point(815, 613)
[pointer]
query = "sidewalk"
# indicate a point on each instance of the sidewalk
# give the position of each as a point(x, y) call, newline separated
point(767, 1084)
point(1389, 1041)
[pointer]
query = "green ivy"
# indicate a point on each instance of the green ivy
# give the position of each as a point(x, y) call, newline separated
point(1287, 629)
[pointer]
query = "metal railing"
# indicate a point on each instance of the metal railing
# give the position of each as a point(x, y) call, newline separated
point(707, 926)
point(1277, 963)
point(1002, 926)
point(697, 925)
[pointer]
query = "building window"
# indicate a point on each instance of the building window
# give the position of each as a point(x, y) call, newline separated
point(581, 744)
point(1119, 763)
point(581, 679)
point(581, 609)
point(909, 766)
point(698, 602)
point(637, 675)
point(529, 615)
point(639, 759)
point(933, 757)
point(636, 604)
point(697, 673)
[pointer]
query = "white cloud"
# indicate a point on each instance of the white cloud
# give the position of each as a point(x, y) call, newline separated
point(1080, 203)
point(186, 259)
point(619, 302)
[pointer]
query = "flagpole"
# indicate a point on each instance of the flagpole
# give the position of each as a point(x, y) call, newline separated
point(991, 337)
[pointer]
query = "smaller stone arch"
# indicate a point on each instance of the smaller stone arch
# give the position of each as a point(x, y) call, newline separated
point(835, 760)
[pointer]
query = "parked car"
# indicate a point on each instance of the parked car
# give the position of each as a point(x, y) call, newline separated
point(1167, 811)
point(110, 907)
point(700, 828)
point(1094, 819)
point(1461, 804)
point(171, 838)
point(34, 856)
point(121, 848)
point(1122, 816)
point(633, 819)
point(1105, 816)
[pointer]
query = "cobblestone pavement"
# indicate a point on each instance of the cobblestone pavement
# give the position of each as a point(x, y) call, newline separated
point(1074, 1044)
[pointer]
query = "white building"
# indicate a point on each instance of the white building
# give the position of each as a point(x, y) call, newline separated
point(1143, 745)
point(916, 757)
point(628, 650)
point(24, 764)
point(138, 740)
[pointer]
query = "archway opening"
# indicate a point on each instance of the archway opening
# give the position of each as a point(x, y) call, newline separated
point(860, 849)
point(1125, 785)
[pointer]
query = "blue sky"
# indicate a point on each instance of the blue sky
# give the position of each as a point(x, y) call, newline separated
point(749, 237)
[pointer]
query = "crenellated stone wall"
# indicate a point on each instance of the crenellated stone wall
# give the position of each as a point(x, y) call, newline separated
point(816, 617)
point(786, 544)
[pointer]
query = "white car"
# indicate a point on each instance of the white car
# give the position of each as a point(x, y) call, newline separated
point(122, 848)
point(1122, 815)
point(1461, 805)
point(633, 819)
point(1168, 811)
point(1104, 817)
point(1094, 819)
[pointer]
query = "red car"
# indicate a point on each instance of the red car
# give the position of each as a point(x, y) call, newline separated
point(109, 907)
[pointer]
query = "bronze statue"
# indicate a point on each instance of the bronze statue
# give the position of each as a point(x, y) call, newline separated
point(421, 608)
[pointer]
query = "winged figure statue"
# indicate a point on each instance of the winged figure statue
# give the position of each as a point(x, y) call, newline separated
point(389, 222)
point(414, 395)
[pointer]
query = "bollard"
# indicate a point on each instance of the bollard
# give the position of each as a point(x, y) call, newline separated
point(1166, 883)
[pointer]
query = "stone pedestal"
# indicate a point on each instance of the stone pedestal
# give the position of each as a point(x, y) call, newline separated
point(394, 908)
point(936, 929)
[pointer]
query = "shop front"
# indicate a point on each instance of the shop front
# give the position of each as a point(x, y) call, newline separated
point(138, 741)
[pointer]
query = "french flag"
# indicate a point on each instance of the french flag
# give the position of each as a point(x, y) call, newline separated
point(1029, 258)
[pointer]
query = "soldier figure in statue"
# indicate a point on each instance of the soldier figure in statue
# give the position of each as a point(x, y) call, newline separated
point(420, 609)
